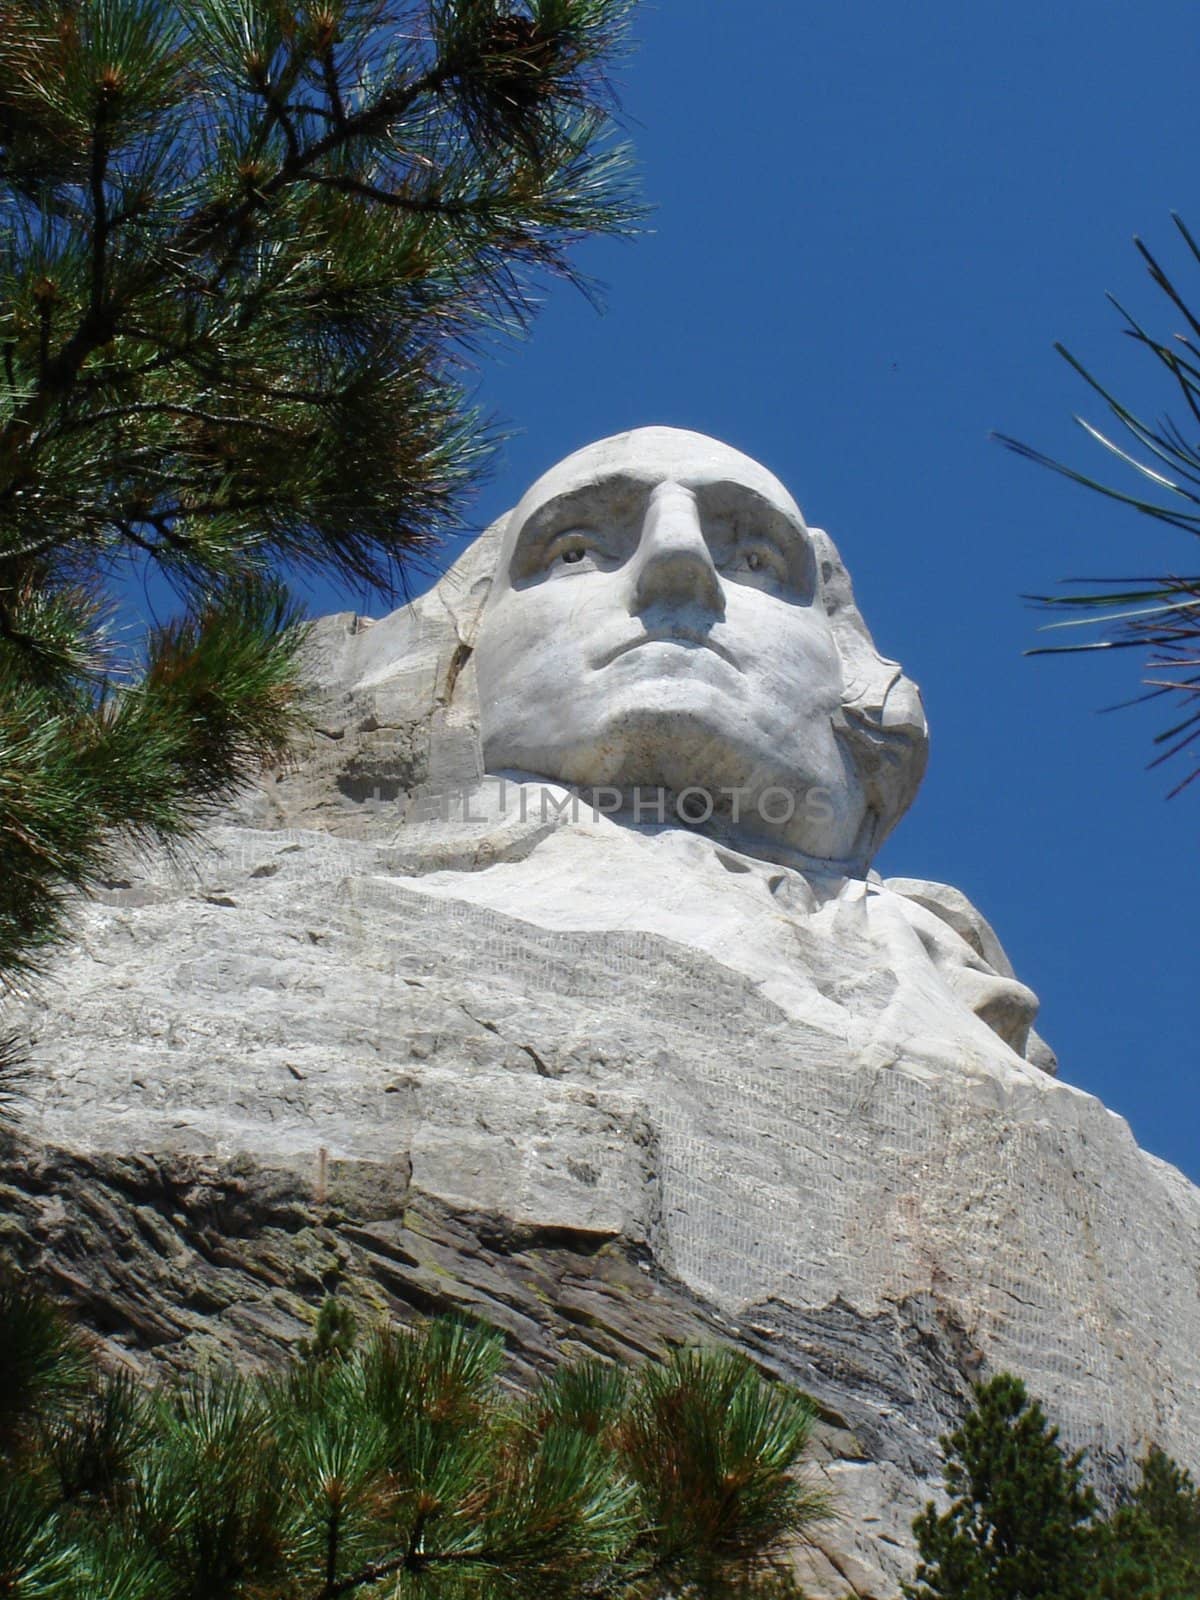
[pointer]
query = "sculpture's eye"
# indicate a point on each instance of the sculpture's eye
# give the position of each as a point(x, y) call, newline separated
point(760, 563)
point(574, 550)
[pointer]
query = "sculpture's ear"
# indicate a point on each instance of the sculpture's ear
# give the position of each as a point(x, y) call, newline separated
point(882, 721)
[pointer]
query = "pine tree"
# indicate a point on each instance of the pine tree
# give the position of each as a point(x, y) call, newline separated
point(1150, 1546)
point(402, 1467)
point(1020, 1525)
point(248, 246)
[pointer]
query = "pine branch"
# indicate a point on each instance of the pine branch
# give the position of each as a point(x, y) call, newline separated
point(428, 205)
point(251, 250)
point(333, 87)
point(152, 759)
point(193, 241)
point(416, 1563)
point(15, 1075)
point(1165, 487)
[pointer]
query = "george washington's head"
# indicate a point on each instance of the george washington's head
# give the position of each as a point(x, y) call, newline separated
point(662, 616)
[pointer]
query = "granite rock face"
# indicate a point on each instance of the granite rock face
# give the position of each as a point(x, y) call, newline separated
point(177, 1261)
point(437, 1037)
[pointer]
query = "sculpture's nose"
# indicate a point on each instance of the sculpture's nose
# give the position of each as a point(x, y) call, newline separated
point(673, 564)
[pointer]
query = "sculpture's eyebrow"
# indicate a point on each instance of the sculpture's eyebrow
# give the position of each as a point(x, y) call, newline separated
point(554, 512)
point(721, 493)
point(770, 516)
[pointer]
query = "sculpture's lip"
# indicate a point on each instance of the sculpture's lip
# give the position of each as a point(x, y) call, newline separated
point(687, 637)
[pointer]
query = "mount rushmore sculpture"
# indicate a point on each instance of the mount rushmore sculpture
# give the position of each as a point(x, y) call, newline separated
point(567, 920)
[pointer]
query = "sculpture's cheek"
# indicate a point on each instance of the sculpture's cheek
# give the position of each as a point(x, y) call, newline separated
point(530, 665)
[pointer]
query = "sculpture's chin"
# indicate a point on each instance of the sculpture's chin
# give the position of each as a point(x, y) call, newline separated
point(730, 783)
point(651, 747)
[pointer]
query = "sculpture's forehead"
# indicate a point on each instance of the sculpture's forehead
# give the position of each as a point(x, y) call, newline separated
point(654, 455)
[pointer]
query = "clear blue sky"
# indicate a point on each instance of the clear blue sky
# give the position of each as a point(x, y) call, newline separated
point(872, 221)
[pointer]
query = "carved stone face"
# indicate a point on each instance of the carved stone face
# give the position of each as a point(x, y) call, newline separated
point(656, 620)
